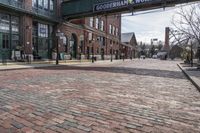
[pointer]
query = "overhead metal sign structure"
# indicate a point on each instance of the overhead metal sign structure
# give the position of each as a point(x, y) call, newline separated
point(84, 8)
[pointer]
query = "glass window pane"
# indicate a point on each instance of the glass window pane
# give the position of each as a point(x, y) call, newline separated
point(15, 24)
point(51, 5)
point(40, 3)
point(46, 4)
point(97, 23)
point(91, 21)
point(5, 41)
point(4, 23)
point(42, 30)
point(15, 41)
point(34, 3)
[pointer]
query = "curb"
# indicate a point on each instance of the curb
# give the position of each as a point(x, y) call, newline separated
point(191, 80)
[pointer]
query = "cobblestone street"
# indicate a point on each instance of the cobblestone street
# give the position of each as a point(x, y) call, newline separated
point(132, 96)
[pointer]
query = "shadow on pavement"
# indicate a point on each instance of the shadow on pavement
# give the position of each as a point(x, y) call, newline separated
point(123, 70)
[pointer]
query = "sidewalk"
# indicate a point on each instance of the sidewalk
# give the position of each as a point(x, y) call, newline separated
point(16, 66)
point(192, 73)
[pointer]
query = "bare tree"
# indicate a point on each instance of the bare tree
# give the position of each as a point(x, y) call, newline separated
point(186, 21)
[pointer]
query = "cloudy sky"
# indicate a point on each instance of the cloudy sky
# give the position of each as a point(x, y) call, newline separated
point(149, 25)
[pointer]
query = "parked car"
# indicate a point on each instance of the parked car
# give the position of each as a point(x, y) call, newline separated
point(154, 56)
point(142, 57)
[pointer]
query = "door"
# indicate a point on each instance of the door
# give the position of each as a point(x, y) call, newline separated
point(88, 53)
point(4, 46)
point(102, 54)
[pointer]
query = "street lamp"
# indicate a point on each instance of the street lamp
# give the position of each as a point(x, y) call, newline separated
point(191, 61)
point(123, 53)
point(131, 53)
point(93, 50)
point(111, 59)
point(58, 35)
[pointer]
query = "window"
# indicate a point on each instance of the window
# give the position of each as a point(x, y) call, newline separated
point(35, 29)
point(40, 3)
point(51, 5)
point(46, 4)
point(113, 31)
point(102, 25)
point(110, 29)
point(5, 44)
point(90, 36)
point(117, 30)
point(97, 23)
point(43, 4)
point(42, 30)
point(91, 21)
point(50, 30)
point(15, 24)
point(4, 22)
point(34, 3)
point(15, 41)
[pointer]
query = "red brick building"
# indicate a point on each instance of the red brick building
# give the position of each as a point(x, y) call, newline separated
point(97, 36)
point(29, 27)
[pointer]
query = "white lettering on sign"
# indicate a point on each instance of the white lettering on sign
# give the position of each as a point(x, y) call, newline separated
point(141, 1)
point(110, 5)
point(117, 4)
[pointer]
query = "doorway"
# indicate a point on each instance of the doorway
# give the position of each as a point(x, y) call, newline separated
point(4, 46)
point(74, 46)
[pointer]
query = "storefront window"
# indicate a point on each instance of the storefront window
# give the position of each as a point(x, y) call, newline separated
point(51, 31)
point(43, 30)
point(46, 4)
point(40, 3)
point(35, 29)
point(4, 23)
point(15, 24)
point(5, 41)
point(15, 41)
point(51, 5)
point(34, 3)
point(42, 41)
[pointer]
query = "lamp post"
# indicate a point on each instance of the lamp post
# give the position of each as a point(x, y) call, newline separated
point(57, 51)
point(58, 35)
point(191, 43)
point(123, 54)
point(131, 53)
point(111, 59)
point(93, 50)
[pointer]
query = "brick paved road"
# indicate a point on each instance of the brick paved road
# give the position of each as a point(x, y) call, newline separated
point(138, 96)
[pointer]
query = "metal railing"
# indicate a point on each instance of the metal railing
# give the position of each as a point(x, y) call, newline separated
point(27, 8)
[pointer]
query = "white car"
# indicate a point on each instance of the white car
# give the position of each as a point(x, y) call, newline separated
point(154, 56)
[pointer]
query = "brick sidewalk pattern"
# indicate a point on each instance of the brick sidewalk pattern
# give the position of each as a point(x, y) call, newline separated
point(149, 96)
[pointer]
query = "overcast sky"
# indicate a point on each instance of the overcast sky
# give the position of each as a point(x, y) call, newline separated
point(148, 26)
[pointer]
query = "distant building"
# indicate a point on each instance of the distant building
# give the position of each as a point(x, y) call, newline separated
point(129, 44)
